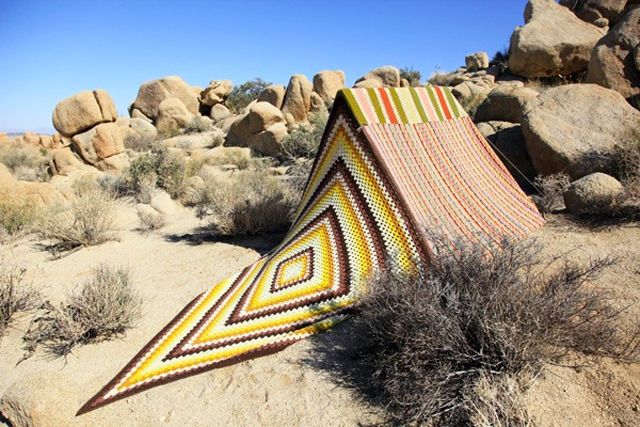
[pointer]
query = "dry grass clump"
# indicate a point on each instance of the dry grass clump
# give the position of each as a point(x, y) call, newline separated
point(17, 218)
point(246, 202)
point(106, 307)
point(303, 140)
point(139, 143)
point(26, 162)
point(442, 345)
point(626, 159)
point(550, 191)
point(15, 295)
point(151, 221)
point(168, 129)
point(198, 124)
point(89, 219)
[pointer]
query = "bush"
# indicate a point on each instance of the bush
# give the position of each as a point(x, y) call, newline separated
point(501, 58)
point(550, 191)
point(160, 168)
point(106, 306)
point(26, 162)
point(481, 313)
point(168, 129)
point(139, 143)
point(17, 218)
point(242, 95)
point(86, 221)
point(304, 140)
point(411, 75)
point(246, 203)
point(150, 221)
point(197, 125)
point(15, 295)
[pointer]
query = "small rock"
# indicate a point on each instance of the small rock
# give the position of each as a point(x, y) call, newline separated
point(477, 61)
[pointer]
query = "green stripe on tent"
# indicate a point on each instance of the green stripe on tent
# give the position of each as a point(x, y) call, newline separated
point(355, 108)
point(373, 96)
point(452, 102)
point(398, 105)
point(435, 103)
point(418, 104)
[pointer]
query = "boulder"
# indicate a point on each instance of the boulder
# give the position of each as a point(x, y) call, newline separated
point(273, 94)
point(262, 129)
point(173, 110)
point(505, 103)
point(114, 164)
point(327, 84)
point(136, 131)
point(318, 105)
point(470, 95)
point(592, 194)
point(507, 141)
point(216, 92)
point(82, 111)
point(387, 75)
point(368, 83)
point(31, 138)
point(152, 93)
point(297, 99)
point(604, 13)
point(477, 61)
point(40, 193)
point(575, 128)
point(219, 112)
point(99, 143)
point(613, 60)
point(553, 41)
point(135, 113)
point(63, 161)
point(40, 399)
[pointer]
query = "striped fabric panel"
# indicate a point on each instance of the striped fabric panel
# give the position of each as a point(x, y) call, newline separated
point(451, 180)
point(402, 105)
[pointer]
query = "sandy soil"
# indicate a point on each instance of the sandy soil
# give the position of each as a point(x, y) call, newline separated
point(282, 389)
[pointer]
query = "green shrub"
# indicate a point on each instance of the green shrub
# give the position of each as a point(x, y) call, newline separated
point(247, 202)
point(106, 306)
point(304, 139)
point(159, 167)
point(243, 94)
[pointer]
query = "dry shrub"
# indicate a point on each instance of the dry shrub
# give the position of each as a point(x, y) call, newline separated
point(89, 219)
point(198, 124)
point(15, 295)
point(304, 139)
point(550, 191)
point(26, 162)
point(150, 221)
point(626, 161)
point(139, 143)
point(106, 306)
point(480, 314)
point(411, 75)
point(246, 202)
point(17, 218)
point(168, 129)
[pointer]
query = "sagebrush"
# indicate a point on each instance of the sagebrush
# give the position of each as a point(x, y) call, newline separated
point(246, 202)
point(87, 220)
point(15, 294)
point(26, 162)
point(17, 217)
point(159, 167)
point(304, 139)
point(434, 340)
point(106, 307)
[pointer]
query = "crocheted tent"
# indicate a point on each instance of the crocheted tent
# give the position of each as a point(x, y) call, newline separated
point(391, 163)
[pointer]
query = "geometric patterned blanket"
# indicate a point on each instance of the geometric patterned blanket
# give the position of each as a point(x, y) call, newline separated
point(391, 163)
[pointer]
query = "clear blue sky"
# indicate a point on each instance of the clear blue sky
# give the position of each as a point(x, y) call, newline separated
point(52, 49)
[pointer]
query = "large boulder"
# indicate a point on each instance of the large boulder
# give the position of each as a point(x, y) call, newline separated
point(387, 75)
point(173, 110)
point(82, 111)
point(63, 161)
point(508, 142)
point(575, 129)
point(603, 13)
point(152, 93)
point(262, 129)
point(613, 61)
point(136, 132)
point(297, 99)
point(216, 92)
point(99, 143)
point(219, 112)
point(505, 103)
point(327, 84)
point(273, 94)
point(553, 41)
point(477, 61)
point(592, 194)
